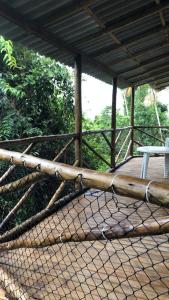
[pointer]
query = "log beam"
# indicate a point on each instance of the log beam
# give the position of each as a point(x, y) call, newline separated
point(78, 110)
point(124, 185)
point(113, 124)
point(132, 120)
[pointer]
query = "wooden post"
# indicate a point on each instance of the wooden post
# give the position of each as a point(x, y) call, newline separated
point(113, 123)
point(132, 120)
point(78, 108)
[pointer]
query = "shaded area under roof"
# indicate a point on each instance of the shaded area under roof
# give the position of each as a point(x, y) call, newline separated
point(128, 39)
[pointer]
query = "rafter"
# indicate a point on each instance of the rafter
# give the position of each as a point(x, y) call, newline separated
point(130, 41)
point(130, 18)
point(112, 36)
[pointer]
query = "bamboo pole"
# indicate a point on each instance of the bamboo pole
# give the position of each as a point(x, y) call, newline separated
point(118, 155)
point(22, 182)
point(96, 153)
point(14, 210)
point(33, 221)
point(26, 195)
point(78, 109)
point(157, 227)
point(150, 135)
point(113, 123)
point(123, 185)
point(59, 190)
point(132, 120)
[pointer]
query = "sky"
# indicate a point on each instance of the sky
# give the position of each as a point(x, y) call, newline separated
point(96, 95)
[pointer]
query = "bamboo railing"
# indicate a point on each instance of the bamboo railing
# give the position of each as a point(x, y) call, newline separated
point(158, 194)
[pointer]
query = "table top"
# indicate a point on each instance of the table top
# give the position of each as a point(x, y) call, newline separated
point(154, 149)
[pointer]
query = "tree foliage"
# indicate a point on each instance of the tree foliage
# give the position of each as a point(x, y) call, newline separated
point(36, 97)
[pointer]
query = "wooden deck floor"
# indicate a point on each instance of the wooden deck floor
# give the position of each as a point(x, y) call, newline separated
point(155, 168)
point(136, 268)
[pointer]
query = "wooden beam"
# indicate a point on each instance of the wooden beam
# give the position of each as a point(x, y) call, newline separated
point(78, 110)
point(113, 124)
point(111, 35)
point(129, 41)
point(131, 18)
point(64, 12)
point(132, 120)
point(124, 185)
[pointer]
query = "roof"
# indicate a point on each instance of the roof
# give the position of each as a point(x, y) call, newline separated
point(128, 39)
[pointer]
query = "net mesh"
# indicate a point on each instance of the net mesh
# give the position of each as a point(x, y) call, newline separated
point(64, 251)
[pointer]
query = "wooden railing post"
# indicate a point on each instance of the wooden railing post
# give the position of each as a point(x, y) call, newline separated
point(78, 109)
point(132, 120)
point(113, 123)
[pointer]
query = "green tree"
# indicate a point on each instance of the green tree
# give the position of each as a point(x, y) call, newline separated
point(36, 98)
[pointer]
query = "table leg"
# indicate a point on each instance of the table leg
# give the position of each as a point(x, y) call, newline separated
point(166, 165)
point(144, 166)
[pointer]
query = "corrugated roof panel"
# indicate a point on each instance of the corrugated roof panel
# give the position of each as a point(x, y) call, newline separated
point(147, 42)
point(140, 26)
point(117, 9)
point(85, 32)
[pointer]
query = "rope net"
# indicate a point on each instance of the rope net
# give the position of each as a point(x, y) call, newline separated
point(80, 247)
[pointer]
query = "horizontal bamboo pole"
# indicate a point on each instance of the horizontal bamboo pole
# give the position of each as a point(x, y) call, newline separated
point(53, 138)
point(157, 227)
point(33, 221)
point(22, 182)
point(123, 185)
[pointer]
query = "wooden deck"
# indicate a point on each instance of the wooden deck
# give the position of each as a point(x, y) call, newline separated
point(155, 168)
point(136, 268)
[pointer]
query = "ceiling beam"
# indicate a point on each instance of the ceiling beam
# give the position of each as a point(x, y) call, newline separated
point(129, 41)
point(64, 11)
point(33, 27)
point(111, 35)
point(130, 18)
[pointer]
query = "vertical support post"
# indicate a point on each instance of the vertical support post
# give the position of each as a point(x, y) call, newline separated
point(132, 120)
point(113, 123)
point(78, 108)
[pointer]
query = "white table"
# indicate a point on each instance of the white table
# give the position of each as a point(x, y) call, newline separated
point(147, 150)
